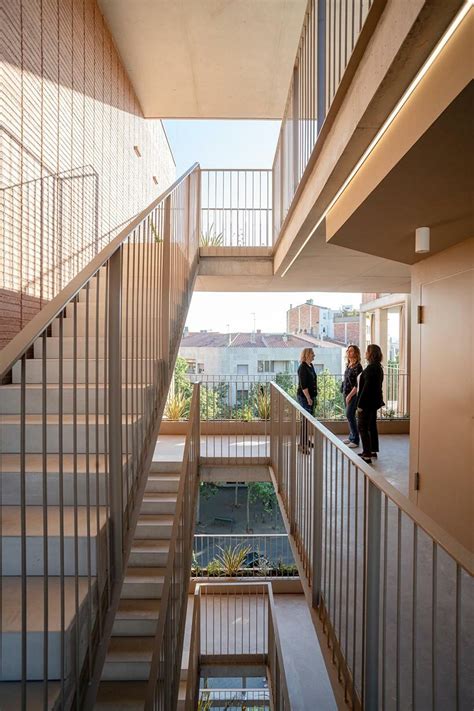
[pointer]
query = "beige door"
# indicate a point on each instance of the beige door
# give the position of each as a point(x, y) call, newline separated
point(446, 424)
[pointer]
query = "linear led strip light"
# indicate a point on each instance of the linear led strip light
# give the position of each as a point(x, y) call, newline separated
point(389, 120)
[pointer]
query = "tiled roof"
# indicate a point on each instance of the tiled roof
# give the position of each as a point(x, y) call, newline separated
point(213, 339)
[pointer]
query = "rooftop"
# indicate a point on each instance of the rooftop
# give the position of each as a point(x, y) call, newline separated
point(213, 339)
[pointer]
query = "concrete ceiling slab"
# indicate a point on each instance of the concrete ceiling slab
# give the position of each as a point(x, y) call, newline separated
point(432, 185)
point(208, 58)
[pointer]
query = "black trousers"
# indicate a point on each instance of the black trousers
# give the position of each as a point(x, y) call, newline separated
point(367, 423)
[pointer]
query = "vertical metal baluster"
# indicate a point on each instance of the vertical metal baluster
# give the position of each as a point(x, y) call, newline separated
point(434, 619)
point(458, 636)
point(88, 492)
point(384, 597)
point(44, 416)
point(75, 499)
point(414, 607)
point(23, 529)
point(399, 577)
point(354, 606)
point(99, 460)
point(61, 504)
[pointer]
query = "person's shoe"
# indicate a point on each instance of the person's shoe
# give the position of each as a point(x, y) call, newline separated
point(374, 455)
point(352, 445)
point(365, 457)
point(347, 441)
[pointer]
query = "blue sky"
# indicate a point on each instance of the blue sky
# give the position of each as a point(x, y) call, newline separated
point(222, 144)
point(237, 144)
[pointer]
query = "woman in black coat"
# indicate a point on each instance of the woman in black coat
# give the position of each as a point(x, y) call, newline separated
point(369, 400)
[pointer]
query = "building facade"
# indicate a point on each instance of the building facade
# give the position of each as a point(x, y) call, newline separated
point(240, 354)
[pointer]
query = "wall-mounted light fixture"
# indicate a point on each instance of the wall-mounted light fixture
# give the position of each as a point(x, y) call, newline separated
point(137, 151)
point(422, 240)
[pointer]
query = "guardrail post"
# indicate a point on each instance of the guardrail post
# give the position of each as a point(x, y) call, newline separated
point(166, 283)
point(292, 473)
point(321, 65)
point(295, 130)
point(317, 517)
point(115, 409)
point(372, 598)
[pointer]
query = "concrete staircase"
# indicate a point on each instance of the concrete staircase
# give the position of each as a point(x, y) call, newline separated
point(66, 500)
point(127, 665)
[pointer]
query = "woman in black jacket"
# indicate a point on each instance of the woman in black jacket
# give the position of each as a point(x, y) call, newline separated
point(369, 400)
point(306, 393)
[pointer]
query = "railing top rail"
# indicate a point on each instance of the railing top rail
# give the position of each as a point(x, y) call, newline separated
point(236, 170)
point(240, 535)
point(458, 552)
point(23, 340)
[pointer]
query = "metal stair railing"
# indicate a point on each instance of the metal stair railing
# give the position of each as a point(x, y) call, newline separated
point(163, 682)
point(393, 590)
point(81, 418)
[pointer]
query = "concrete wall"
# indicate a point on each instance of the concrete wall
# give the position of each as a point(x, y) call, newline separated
point(70, 176)
point(224, 361)
point(442, 392)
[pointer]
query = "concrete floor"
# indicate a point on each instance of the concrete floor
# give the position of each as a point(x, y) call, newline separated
point(233, 624)
point(393, 461)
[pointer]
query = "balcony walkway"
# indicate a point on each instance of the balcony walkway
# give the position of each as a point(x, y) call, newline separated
point(306, 675)
point(393, 461)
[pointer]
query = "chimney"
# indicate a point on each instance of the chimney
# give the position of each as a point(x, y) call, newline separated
point(309, 301)
point(259, 330)
point(252, 337)
point(186, 330)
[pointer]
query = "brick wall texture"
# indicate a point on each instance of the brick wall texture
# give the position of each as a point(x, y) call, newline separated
point(71, 178)
point(347, 331)
point(303, 318)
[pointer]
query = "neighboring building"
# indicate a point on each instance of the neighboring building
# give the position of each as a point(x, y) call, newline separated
point(213, 353)
point(322, 322)
point(309, 318)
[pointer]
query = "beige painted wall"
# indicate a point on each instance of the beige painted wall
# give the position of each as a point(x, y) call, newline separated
point(442, 394)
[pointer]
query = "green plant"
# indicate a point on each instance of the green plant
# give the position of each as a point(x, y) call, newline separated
point(211, 238)
point(244, 413)
point(263, 404)
point(205, 702)
point(176, 407)
point(214, 568)
point(262, 491)
point(196, 569)
point(208, 489)
point(232, 559)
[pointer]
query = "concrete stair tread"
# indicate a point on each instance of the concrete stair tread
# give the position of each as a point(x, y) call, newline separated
point(121, 696)
point(156, 519)
point(137, 609)
point(11, 520)
point(11, 602)
point(53, 419)
point(144, 575)
point(130, 649)
point(34, 463)
point(148, 545)
point(10, 695)
point(159, 497)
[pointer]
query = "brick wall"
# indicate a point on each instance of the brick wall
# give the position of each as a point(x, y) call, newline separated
point(300, 319)
point(71, 177)
point(347, 331)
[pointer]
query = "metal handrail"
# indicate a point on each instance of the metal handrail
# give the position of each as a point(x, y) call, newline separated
point(252, 649)
point(25, 339)
point(362, 548)
point(167, 649)
point(452, 547)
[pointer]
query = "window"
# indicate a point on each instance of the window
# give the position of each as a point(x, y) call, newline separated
point(191, 366)
point(200, 367)
point(266, 366)
point(242, 369)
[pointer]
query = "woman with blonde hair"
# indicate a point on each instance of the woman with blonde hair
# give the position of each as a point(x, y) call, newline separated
point(307, 391)
point(349, 392)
